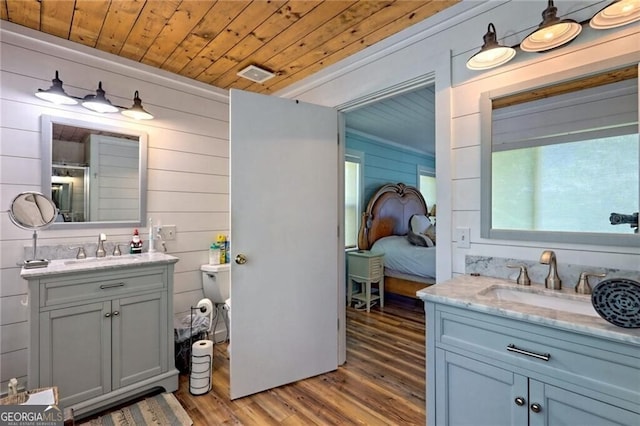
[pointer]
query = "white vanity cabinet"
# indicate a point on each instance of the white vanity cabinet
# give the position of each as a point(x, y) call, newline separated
point(102, 336)
point(486, 368)
point(477, 380)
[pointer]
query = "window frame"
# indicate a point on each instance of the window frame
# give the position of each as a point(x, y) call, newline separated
point(354, 156)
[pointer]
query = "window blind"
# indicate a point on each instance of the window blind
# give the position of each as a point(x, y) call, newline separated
point(597, 112)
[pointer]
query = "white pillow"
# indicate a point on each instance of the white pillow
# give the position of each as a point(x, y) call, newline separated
point(419, 223)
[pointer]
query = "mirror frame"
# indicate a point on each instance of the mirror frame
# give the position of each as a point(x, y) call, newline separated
point(486, 98)
point(46, 142)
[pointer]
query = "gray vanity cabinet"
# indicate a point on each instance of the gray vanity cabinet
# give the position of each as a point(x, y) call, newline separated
point(102, 336)
point(474, 378)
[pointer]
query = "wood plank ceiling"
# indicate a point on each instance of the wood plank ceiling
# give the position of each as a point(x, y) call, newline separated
point(211, 41)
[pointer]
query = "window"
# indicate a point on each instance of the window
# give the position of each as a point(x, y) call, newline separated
point(353, 165)
point(572, 187)
point(427, 186)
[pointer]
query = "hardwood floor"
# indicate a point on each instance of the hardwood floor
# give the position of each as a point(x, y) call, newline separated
point(382, 382)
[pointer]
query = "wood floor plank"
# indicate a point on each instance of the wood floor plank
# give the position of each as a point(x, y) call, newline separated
point(382, 382)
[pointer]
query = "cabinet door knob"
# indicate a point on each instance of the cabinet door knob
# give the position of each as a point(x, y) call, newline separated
point(520, 401)
point(536, 408)
point(107, 315)
point(116, 313)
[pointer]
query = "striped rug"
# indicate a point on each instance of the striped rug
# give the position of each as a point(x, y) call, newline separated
point(162, 409)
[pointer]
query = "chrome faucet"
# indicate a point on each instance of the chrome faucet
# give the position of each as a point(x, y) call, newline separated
point(552, 281)
point(100, 252)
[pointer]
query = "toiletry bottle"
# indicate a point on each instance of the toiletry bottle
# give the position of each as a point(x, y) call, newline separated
point(221, 241)
point(214, 254)
point(227, 251)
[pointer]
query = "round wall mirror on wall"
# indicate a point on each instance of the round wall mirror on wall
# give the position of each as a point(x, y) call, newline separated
point(33, 211)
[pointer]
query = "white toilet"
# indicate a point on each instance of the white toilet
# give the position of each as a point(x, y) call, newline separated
point(216, 284)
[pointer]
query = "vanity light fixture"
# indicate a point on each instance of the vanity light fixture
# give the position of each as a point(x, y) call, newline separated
point(551, 33)
point(98, 102)
point(491, 54)
point(56, 93)
point(616, 14)
point(136, 111)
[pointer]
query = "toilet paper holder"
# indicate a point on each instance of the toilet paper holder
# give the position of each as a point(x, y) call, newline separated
point(203, 363)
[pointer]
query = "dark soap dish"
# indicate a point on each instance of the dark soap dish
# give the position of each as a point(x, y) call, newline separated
point(617, 300)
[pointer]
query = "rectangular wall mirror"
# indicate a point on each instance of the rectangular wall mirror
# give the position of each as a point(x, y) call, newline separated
point(95, 174)
point(559, 160)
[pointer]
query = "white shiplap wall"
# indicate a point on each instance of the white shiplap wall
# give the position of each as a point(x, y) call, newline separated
point(188, 162)
point(443, 44)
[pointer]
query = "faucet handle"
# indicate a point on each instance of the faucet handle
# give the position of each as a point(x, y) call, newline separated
point(583, 286)
point(116, 250)
point(81, 254)
point(523, 276)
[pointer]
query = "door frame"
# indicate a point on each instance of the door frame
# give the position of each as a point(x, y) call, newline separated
point(440, 76)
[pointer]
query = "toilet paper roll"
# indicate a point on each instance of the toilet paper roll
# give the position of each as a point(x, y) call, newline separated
point(205, 308)
point(201, 366)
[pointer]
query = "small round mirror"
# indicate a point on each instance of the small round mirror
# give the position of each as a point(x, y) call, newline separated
point(32, 210)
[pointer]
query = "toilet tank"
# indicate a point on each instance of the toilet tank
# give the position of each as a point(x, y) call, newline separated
point(216, 282)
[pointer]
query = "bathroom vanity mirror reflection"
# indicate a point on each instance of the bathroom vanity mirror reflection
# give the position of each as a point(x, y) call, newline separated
point(558, 160)
point(96, 174)
point(33, 211)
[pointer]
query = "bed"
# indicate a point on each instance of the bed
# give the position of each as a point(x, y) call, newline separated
point(384, 228)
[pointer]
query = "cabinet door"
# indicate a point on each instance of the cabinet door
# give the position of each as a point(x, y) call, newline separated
point(562, 407)
point(139, 338)
point(473, 393)
point(75, 351)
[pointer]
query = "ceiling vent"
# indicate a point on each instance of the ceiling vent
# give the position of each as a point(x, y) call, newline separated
point(256, 74)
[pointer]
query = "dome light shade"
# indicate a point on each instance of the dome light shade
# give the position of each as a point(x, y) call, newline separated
point(56, 93)
point(552, 32)
point(136, 111)
point(98, 102)
point(616, 14)
point(491, 54)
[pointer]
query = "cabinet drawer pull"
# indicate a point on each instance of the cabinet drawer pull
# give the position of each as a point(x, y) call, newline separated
point(106, 286)
point(513, 348)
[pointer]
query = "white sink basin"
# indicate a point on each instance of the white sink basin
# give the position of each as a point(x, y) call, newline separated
point(543, 299)
point(103, 260)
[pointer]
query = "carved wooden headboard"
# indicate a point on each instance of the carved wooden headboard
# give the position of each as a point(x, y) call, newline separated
point(388, 213)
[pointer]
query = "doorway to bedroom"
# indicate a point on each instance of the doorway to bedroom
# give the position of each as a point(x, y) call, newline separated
point(390, 139)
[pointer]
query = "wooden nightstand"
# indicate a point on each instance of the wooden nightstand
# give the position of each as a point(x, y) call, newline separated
point(365, 268)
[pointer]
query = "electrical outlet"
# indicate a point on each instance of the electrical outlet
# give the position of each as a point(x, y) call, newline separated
point(168, 232)
point(463, 237)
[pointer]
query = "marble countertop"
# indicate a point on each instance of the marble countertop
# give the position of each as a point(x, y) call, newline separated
point(68, 266)
point(469, 292)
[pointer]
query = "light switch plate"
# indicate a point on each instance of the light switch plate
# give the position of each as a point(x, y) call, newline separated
point(463, 237)
point(168, 232)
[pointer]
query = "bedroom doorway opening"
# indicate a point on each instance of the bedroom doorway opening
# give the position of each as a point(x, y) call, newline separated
point(390, 139)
